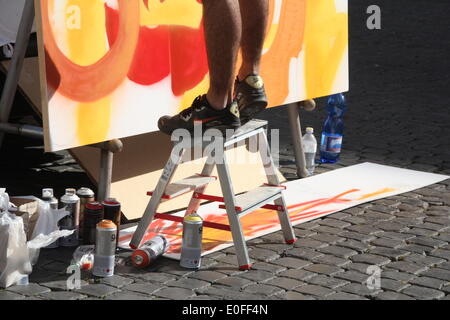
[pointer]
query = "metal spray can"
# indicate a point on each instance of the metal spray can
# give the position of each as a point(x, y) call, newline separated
point(191, 249)
point(70, 202)
point(105, 249)
point(48, 196)
point(86, 195)
point(150, 251)
point(111, 211)
point(93, 214)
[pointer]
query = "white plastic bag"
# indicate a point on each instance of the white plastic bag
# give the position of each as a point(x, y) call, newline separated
point(43, 240)
point(14, 257)
point(4, 200)
point(48, 219)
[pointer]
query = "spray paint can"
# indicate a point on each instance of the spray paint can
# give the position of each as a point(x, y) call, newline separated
point(86, 195)
point(111, 211)
point(150, 251)
point(48, 196)
point(105, 249)
point(93, 214)
point(70, 202)
point(191, 249)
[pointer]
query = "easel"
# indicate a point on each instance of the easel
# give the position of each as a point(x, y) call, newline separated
point(107, 149)
point(110, 147)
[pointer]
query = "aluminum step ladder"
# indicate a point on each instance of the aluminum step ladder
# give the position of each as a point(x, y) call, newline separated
point(268, 196)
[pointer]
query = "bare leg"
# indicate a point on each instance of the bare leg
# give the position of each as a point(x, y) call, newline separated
point(223, 30)
point(254, 15)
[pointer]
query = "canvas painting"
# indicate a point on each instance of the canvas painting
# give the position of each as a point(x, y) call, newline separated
point(111, 68)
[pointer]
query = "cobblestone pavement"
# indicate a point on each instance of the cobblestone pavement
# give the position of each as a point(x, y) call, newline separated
point(397, 116)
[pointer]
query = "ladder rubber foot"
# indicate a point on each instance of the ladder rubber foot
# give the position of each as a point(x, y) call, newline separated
point(291, 241)
point(132, 246)
point(245, 267)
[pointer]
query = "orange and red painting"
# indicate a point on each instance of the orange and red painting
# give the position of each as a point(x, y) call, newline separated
point(111, 68)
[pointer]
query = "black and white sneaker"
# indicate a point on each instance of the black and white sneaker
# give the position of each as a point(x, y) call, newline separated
point(202, 113)
point(250, 96)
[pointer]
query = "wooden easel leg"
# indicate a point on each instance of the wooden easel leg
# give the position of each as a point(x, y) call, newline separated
point(12, 79)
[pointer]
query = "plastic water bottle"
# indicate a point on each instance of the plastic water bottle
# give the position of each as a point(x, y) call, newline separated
point(310, 149)
point(333, 129)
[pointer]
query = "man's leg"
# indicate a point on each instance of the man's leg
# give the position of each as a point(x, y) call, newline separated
point(223, 30)
point(254, 15)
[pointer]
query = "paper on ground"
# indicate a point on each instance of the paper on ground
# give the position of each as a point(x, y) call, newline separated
point(307, 199)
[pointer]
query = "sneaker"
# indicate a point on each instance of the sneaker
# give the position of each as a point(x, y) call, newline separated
point(202, 112)
point(251, 96)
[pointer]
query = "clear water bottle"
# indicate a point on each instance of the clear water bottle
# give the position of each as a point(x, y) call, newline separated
point(333, 129)
point(310, 149)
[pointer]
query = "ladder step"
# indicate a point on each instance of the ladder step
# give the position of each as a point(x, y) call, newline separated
point(206, 224)
point(186, 185)
point(258, 198)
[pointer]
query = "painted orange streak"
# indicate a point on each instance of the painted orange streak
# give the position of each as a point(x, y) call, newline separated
point(370, 195)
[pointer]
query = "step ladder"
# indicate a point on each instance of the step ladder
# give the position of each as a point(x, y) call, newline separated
point(268, 196)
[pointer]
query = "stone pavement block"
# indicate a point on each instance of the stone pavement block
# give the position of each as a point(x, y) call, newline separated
point(328, 238)
point(341, 215)
point(364, 229)
point(388, 295)
point(428, 282)
point(309, 243)
point(357, 236)
point(176, 269)
point(201, 297)
point(360, 267)
point(156, 277)
point(330, 222)
point(326, 281)
point(97, 290)
point(418, 231)
point(298, 274)
point(308, 225)
point(409, 221)
point(397, 235)
point(338, 251)
point(229, 259)
point(445, 265)
point(418, 249)
point(128, 295)
point(434, 227)
point(225, 268)
point(257, 275)
point(292, 295)
point(292, 263)
point(331, 260)
point(438, 220)
point(423, 293)
point(60, 285)
point(263, 254)
point(355, 220)
point(285, 283)
point(145, 288)
point(359, 290)
point(393, 285)
point(392, 254)
point(303, 253)
point(301, 233)
point(437, 273)
point(268, 267)
point(353, 276)
point(62, 295)
point(427, 242)
point(392, 226)
point(324, 269)
point(5, 295)
point(229, 294)
point(188, 283)
point(384, 209)
point(397, 275)
point(116, 281)
point(370, 259)
point(29, 290)
point(330, 230)
point(388, 243)
point(355, 245)
point(263, 289)
point(446, 289)
point(209, 276)
point(175, 293)
point(373, 216)
point(443, 236)
point(444, 254)
point(344, 296)
point(314, 290)
point(405, 266)
point(235, 282)
point(278, 248)
point(422, 260)
point(56, 267)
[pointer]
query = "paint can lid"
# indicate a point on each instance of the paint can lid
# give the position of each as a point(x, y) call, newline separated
point(106, 224)
point(94, 205)
point(85, 192)
point(140, 259)
point(193, 217)
point(111, 202)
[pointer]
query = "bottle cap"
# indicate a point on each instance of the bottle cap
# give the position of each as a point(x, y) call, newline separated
point(309, 130)
point(106, 224)
point(70, 191)
point(86, 192)
point(94, 205)
point(47, 193)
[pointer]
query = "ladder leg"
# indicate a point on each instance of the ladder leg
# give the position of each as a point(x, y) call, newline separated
point(233, 217)
point(272, 179)
point(155, 200)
